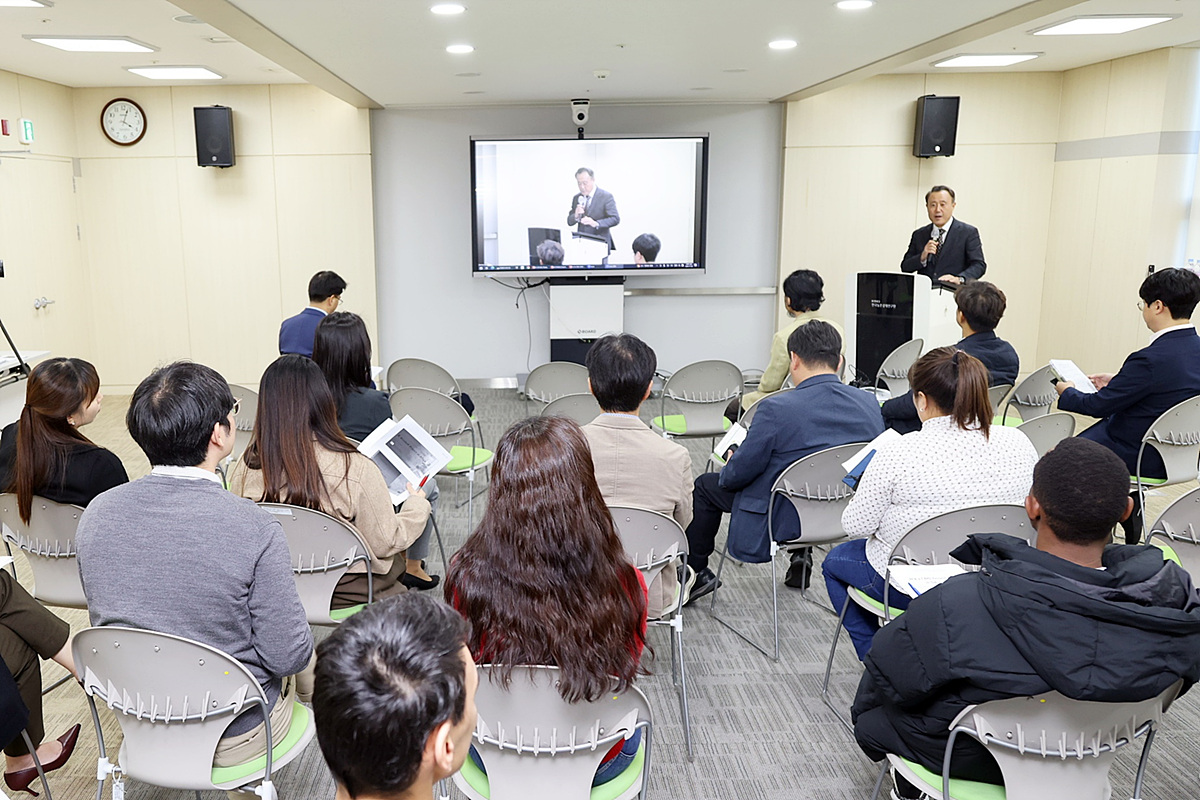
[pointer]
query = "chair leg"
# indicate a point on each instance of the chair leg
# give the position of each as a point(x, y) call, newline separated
point(437, 532)
point(1141, 770)
point(837, 633)
point(879, 781)
point(775, 600)
point(677, 635)
point(712, 609)
point(470, 500)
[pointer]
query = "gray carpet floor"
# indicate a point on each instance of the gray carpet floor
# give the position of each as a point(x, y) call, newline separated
point(759, 727)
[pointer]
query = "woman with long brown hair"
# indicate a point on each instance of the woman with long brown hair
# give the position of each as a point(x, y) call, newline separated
point(957, 459)
point(298, 455)
point(544, 579)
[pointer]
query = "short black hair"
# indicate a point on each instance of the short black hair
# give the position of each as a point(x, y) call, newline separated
point(816, 343)
point(324, 285)
point(585, 169)
point(982, 305)
point(648, 245)
point(940, 188)
point(385, 679)
point(173, 412)
point(1083, 489)
point(550, 253)
point(804, 289)
point(620, 367)
point(1178, 289)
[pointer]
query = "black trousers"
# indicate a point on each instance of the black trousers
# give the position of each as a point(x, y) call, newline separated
point(709, 502)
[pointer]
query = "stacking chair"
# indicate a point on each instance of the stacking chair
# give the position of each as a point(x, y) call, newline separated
point(323, 549)
point(894, 369)
point(553, 380)
point(1177, 531)
point(654, 542)
point(173, 698)
point(996, 394)
point(813, 485)
point(14, 716)
point(445, 420)
point(1176, 437)
point(929, 542)
point(1033, 397)
point(421, 374)
point(581, 407)
point(700, 392)
point(1046, 746)
point(244, 421)
point(1048, 430)
point(748, 415)
point(537, 746)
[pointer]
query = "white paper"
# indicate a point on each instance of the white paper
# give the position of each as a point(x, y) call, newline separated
point(875, 445)
point(5, 561)
point(917, 579)
point(1066, 370)
point(735, 435)
point(405, 453)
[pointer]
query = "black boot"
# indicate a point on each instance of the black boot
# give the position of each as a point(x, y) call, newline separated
point(799, 574)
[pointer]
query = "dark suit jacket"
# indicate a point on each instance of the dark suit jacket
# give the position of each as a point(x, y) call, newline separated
point(1150, 381)
point(296, 334)
point(900, 413)
point(821, 412)
point(961, 253)
point(603, 210)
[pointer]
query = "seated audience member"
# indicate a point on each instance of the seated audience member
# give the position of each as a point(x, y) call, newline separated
point(175, 552)
point(324, 296)
point(957, 459)
point(44, 453)
point(645, 248)
point(1152, 380)
point(819, 413)
point(1074, 615)
point(803, 293)
point(544, 579)
point(28, 630)
point(980, 307)
point(550, 253)
point(634, 465)
point(298, 455)
point(394, 699)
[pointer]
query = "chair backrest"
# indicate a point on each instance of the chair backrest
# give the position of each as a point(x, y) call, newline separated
point(1052, 746)
point(931, 541)
point(894, 369)
point(1176, 437)
point(553, 380)
point(173, 698)
point(996, 395)
point(1033, 396)
point(748, 415)
point(1179, 527)
point(440, 416)
point(814, 487)
point(651, 540)
point(1048, 430)
point(537, 746)
point(701, 391)
point(48, 542)
point(582, 408)
point(323, 548)
point(247, 407)
point(422, 374)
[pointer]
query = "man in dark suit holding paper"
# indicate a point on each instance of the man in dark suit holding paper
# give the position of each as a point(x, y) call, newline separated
point(947, 249)
point(593, 210)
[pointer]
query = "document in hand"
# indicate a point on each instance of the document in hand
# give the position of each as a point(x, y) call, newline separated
point(405, 453)
point(917, 579)
point(1066, 370)
point(857, 463)
point(734, 436)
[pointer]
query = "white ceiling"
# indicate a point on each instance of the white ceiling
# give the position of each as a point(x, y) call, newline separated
point(540, 51)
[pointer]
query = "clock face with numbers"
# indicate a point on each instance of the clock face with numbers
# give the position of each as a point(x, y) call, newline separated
point(123, 121)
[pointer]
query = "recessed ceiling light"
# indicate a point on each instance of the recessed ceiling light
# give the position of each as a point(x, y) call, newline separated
point(448, 9)
point(459, 49)
point(782, 44)
point(1102, 24)
point(735, 70)
point(475, 91)
point(188, 19)
point(854, 5)
point(466, 74)
point(176, 73)
point(1006, 60)
point(701, 88)
point(92, 44)
point(26, 3)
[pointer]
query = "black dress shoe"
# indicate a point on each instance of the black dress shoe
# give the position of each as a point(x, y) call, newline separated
point(414, 582)
point(706, 583)
point(799, 574)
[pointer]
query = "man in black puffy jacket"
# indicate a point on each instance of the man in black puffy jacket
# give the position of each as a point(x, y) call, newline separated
point(1074, 615)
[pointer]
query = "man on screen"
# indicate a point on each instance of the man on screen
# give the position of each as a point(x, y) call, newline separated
point(593, 210)
point(645, 248)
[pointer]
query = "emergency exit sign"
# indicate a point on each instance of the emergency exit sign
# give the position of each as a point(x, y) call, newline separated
point(25, 127)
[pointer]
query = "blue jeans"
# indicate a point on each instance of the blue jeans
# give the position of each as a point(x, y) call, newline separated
point(607, 771)
point(847, 565)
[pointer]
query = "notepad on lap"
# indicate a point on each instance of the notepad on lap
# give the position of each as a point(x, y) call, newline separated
point(917, 579)
point(1066, 370)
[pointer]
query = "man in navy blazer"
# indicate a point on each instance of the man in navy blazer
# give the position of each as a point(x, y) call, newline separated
point(1151, 380)
point(821, 412)
point(296, 334)
point(946, 249)
point(593, 210)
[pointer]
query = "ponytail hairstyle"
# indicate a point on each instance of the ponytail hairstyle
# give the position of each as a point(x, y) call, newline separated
point(57, 388)
point(957, 383)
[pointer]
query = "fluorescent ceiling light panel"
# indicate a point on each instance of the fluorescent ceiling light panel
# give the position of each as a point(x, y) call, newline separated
point(176, 73)
point(1006, 60)
point(782, 44)
point(460, 49)
point(448, 9)
point(1102, 24)
point(26, 3)
point(92, 44)
point(855, 5)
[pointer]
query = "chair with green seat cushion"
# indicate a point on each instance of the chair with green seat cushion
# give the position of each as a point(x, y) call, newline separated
point(1177, 530)
point(537, 746)
point(1046, 746)
point(422, 374)
point(698, 395)
point(323, 548)
point(996, 394)
point(1032, 398)
point(1175, 435)
point(174, 698)
point(893, 372)
point(550, 381)
point(1048, 430)
point(581, 407)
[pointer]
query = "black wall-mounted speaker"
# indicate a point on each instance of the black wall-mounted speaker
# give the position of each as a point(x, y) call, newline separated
point(937, 126)
point(214, 136)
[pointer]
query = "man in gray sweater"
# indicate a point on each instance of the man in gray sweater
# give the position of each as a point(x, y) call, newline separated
point(175, 552)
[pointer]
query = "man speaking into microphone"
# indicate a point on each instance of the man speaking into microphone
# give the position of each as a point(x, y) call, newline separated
point(947, 249)
point(593, 210)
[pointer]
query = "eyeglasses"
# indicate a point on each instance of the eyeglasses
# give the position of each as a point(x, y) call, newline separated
point(1141, 306)
point(237, 404)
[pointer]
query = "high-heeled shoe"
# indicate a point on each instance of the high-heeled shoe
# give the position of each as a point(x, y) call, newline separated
point(19, 781)
point(417, 582)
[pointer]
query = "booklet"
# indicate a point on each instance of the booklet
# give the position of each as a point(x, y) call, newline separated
point(733, 437)
point(405, 453)
point(857, 463)
point(916, 579)
point(1066, 370)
